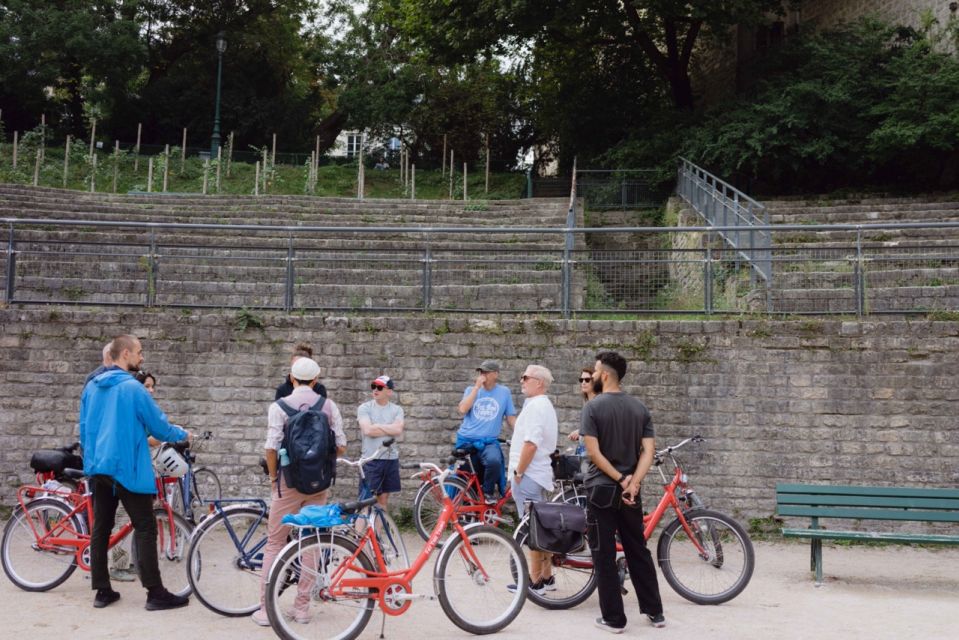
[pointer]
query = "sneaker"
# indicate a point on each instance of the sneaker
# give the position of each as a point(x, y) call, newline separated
point(163, 599)
point(105, 597)
point(301, 615)
point(605, 626)
point(259, 617)
point(122, 575)
point(549, 584)
point(535, 587)
point(658, 620)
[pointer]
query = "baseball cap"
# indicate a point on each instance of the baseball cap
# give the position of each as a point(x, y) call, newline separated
point(305, 369)
point(488, 365)
point(384, 381)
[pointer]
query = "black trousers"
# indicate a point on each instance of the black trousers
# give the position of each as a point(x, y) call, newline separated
point(603, 525)
point(107, 496)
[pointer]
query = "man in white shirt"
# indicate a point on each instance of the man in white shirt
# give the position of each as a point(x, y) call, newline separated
point(534, 439)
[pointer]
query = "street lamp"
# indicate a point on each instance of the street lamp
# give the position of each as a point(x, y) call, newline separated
point(215, 139)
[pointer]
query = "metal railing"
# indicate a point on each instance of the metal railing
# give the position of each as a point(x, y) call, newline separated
point(905, 268)
point(724, 206)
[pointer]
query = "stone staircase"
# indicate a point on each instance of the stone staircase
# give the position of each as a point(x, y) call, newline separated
point(254, 266)
point(903, 270)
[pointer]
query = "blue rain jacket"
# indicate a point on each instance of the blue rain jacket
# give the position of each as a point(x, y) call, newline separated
point(116, 415)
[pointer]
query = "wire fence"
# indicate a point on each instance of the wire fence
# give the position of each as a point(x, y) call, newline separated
point(667, 270)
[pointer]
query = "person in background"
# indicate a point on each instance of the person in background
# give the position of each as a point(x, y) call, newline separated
point(379, 420)
point(587, 387)
point(300, 350)
point(484, 406)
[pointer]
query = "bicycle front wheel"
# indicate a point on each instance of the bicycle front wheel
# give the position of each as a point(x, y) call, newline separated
point(173, 542)
point(206, 487)
point(427, 505)
point(225, 560)
point(390, 540)
point(30, 558)
point(472, 577)
point(305, 598)
point(574, 578)
point(711, 566)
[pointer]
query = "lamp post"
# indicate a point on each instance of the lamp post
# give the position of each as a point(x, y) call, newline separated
point(215, 139)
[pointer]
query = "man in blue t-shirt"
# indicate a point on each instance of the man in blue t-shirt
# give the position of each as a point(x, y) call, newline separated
point(483, 407)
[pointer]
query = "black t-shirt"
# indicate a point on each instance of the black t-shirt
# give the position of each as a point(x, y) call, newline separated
point(286, 389)
point(620, 422)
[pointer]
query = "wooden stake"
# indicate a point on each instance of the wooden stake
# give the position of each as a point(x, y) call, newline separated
point(166, 167)
point(219, 164)
point(93, 138)
point(451, 174)
point(464, 182)
point(150, 175)
point(273, 155)
point(486, 192)
point(116, 164)
point(444, 157)
point(413, 182)
point(15, 145)
point(183, 152)
point(93, 176)
point(36, 169)
point(229, 156)
point(265, 170)
point(43, 136)
point(206, 174)
point(66, 160)
point(256, 180)
point(136, 149)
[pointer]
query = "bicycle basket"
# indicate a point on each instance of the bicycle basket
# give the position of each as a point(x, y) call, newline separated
point(319, 516)
point(566, 466)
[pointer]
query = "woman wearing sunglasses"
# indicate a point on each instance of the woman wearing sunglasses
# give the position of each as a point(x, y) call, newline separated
point(589, 391)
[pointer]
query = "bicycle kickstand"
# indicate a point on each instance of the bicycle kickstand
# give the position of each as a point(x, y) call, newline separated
point(383, 625)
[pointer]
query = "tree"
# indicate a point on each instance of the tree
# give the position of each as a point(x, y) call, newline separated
point(662, 32)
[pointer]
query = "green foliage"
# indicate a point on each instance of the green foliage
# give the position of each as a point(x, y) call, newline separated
point(868, 104)
point(246, 319)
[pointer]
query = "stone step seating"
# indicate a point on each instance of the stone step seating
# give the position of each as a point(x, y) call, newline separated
point(904, 269)
point(337, 270)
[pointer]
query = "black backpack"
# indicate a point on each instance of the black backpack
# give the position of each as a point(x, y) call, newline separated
point(311, 448)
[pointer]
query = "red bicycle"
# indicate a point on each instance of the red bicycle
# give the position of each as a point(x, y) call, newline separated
point(48, 535)
point(465, 490)
point(705, 556)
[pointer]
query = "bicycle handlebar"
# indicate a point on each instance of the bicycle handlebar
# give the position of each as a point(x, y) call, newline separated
point(659, 455)
point(362, 461)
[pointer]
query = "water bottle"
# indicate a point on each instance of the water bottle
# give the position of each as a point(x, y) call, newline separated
point(581, 448)
point(284, 458)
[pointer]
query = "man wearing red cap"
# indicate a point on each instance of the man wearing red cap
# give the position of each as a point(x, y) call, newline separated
point(379, 420)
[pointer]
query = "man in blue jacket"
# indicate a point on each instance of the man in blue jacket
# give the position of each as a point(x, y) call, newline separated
point(116, 416)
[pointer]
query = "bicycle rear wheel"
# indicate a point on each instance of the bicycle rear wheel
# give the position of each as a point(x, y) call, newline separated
point(225, 559)
point(471, 580)
point(25, 563)
point(574, 578)
point(427, 506)
point(304, 596)
point(714, 575)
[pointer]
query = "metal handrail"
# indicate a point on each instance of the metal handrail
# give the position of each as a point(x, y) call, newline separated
point(718, 202)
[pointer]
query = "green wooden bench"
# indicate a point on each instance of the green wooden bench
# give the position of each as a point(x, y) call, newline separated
point(841, 502)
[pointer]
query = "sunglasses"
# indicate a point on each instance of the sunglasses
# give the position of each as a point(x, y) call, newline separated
point(585, 379)
point(524, 378)
point(376, 387)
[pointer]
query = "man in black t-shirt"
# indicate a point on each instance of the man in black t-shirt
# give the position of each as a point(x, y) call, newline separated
point(618, 433)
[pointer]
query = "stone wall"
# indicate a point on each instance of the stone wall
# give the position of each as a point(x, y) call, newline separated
point(826, 14)
point(807, 400)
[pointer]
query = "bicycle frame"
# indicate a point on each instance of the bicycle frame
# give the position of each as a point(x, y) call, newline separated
point(64, 535)
point(253, 558)
point(466, 506)
point(381, 579)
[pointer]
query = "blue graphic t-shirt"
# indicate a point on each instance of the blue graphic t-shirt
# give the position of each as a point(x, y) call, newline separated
point(485, 418)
